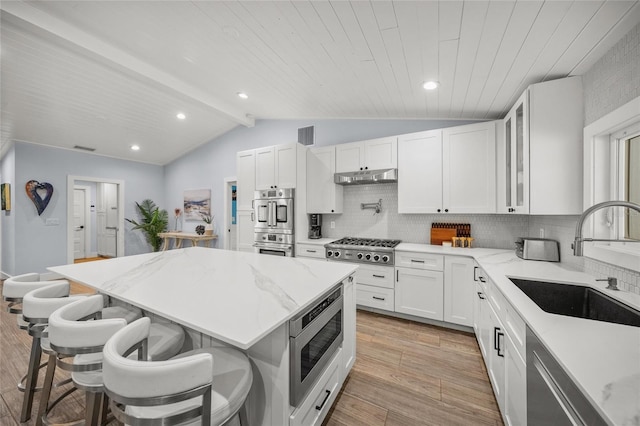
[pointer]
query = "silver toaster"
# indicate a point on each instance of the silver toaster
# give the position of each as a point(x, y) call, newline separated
point(538, 249)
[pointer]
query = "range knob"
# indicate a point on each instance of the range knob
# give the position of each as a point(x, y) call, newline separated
point(336, 254)
point(385, 258)
point(359, 256)
point(376, 258)
point(329, 253)
point(368, 256)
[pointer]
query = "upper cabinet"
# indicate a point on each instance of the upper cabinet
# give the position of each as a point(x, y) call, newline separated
point(540, 151)
point(324, 196)
point(448, 171)
point(276, 166)
point(373, 154)
point(246, 175)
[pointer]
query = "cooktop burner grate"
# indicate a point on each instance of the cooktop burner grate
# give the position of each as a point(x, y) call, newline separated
point(366, 242)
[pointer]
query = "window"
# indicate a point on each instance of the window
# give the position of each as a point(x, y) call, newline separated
point(631, 182)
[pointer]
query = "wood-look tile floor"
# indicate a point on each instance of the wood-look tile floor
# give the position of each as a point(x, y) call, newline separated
point(406, 373)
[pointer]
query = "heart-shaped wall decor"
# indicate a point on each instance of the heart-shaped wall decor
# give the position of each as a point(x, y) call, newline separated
point(40, 194)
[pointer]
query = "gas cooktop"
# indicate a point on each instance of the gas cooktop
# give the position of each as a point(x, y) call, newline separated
point(362, 250)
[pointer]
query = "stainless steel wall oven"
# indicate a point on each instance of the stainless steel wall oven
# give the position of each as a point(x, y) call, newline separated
point(315, 336)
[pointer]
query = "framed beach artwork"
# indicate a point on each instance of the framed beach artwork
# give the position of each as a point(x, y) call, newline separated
point(197, 202)
point(5, 195)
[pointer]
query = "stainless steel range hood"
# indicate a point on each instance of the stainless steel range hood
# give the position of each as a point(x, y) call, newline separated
point(364, 177)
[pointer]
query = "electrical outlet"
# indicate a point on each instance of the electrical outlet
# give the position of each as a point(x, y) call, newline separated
point(541, 232)
point(333, 225)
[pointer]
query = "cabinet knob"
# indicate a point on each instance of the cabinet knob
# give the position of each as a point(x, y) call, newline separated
point(366, 168)
point(331, 210)
point(446, 210)
point(439, 210)
point(511, 210)
point(360, 168)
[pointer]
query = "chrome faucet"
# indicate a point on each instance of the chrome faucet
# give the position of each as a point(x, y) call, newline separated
point(577, 243)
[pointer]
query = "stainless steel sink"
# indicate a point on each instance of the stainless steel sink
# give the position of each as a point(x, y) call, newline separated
point(577, 301)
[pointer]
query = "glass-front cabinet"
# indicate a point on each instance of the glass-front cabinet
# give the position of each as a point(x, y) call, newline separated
point(513, 195)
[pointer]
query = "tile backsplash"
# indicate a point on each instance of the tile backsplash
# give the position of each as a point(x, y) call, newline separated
point(489, 231)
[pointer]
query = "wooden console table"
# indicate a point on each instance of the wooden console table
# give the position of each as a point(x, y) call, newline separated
point(179, 236)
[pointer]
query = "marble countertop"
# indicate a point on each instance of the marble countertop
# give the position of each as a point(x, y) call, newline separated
point(235, 297)
point(602, 358)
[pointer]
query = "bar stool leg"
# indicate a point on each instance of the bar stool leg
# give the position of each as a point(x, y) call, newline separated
point(46, 388)
point(32, 379)
point(93, 408)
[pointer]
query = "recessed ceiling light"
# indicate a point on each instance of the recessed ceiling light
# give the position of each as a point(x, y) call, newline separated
point(135, 148)
point(181, 116)
point(431, 85)
point(243, 95)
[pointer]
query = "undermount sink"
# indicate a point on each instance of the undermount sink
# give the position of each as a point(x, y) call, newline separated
point(577, 301)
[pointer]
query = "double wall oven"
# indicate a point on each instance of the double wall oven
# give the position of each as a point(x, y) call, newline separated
point(274, 230)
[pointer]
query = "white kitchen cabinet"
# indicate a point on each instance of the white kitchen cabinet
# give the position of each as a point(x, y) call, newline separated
point(540, 153)
point(459, 290)
point(349, 342)
point(276, 166)
point(315, 251)
point(515, 406)
point(324, 196)
point(245, 227)
point(373, 154)
point(482, 321)
point(375, 297)
point(448, 171)
point(496, 350)
point(419, 292)
point(246, 178)
point(420, 172)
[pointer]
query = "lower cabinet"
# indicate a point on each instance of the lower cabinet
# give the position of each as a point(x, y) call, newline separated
point(515, 406)
point(245, 230)
point(458, 290)
point(375, 287)
point(349, 321)
point(419, 292)
point(496, 352)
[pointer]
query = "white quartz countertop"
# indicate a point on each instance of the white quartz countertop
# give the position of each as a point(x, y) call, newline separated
point(235, 297)
point(602, 358)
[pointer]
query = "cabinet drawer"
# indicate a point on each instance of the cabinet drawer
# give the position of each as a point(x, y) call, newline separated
point(517, 330)
point(415, 260)
point(315, 406)
point(381, 276)
point(375, 297)
point(497, 300)
point(310, 250)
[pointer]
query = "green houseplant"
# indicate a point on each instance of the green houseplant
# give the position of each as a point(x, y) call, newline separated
point(152, 222)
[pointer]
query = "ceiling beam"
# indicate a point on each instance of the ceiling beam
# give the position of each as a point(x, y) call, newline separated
point(105, 51)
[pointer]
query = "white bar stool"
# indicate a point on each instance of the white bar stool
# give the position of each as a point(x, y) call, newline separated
point(14, 289)
point(37, 305)
point(80, 330)
point(205, 386)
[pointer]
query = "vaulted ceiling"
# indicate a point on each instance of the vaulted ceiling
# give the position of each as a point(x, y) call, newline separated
point(107, 75)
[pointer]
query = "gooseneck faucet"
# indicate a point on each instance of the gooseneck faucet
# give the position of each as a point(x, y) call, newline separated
point(577, 243)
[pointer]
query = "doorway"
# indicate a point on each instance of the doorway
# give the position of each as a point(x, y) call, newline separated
point(230, 214)
point(103, 231)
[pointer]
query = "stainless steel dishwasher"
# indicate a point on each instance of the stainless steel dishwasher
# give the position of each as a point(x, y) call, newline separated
point(552, 397)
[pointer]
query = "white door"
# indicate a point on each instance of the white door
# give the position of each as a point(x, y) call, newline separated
point(107, 219)
point(79, 220)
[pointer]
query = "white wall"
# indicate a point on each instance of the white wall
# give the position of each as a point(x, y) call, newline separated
point(8, 219)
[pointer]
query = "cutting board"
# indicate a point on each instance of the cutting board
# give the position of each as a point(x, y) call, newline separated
point(438, 235)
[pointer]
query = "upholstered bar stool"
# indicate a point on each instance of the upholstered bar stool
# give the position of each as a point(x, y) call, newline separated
point(80, 330)
point(37, 306)
point(205, 386)
point(14, 289)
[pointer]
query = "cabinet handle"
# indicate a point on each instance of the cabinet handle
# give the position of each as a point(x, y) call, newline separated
point(511, 210)
point(378, 276)
point(482, 280)
point(350, 278)
point(481, 296)
point(475, 272)
point(252, 217)
point(379, 298)
point(500, 354)
point(311, 251)
point(324, 401)
point(397, 275)
point(417, 261)
point(496, 330)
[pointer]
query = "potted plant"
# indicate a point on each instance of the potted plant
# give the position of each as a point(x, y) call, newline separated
point(152, 222)
point(208, 219)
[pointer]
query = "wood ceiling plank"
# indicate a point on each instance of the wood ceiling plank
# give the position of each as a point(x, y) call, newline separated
point(473, 21)
point(351, 26)
point(449, 19)
point(428, 18)
point(409, 28)
point(385, 14)
point(493, 31)
point(447, 57)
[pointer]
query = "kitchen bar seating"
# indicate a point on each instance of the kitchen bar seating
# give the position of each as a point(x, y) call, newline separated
point(37, 306)
point(80, 330)
point(205, 386)
point(14, 289)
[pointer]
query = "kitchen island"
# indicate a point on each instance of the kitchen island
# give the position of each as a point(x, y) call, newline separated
point(232, 298)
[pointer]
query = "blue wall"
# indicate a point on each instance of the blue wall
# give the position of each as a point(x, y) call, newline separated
point(8, 219)
point(36, 246)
